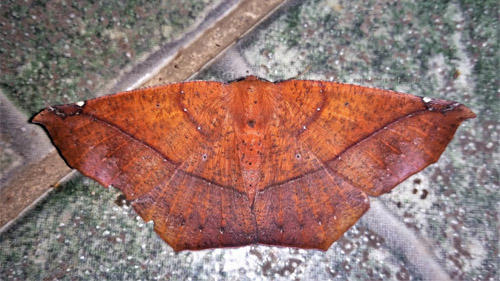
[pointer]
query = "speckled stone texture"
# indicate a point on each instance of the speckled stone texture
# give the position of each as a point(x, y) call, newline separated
point(440, 224)
point(62, 51)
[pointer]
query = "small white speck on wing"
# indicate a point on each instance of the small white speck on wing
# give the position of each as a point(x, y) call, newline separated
point(80, 103)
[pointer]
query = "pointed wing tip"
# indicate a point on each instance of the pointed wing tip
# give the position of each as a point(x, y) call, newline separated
point(40, 117)
point(61, 111)
point(466, 112)
point(445, 106)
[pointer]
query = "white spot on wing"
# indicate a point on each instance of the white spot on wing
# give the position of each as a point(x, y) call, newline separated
point(427, 99)
point(80, 103)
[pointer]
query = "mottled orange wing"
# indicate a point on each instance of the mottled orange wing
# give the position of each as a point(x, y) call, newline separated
point(331, 144)
point(217, 165)
point(168, 148)
point(370, 137)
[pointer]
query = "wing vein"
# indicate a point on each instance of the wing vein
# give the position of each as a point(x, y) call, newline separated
point(130, 136)
point(274, 184)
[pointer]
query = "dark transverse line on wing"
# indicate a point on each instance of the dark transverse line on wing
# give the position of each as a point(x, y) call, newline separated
point(267, 187)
